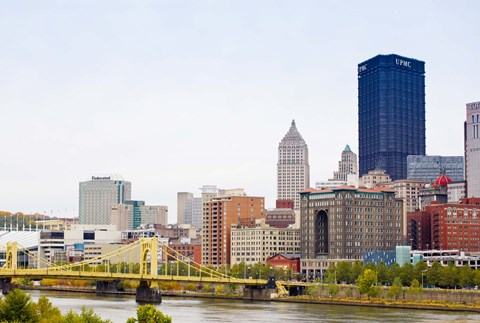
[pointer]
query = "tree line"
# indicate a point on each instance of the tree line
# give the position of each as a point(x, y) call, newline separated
point(18, 306)
point(449, 276)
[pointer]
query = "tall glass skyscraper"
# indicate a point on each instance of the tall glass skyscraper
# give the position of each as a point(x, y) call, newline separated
point(391, 113)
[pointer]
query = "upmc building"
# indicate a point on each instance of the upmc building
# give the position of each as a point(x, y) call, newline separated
point(391, 113)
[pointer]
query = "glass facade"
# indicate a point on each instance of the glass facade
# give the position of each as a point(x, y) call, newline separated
point(428, 168)
point(391, 113)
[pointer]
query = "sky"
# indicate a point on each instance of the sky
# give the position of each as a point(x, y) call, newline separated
point(174, 95)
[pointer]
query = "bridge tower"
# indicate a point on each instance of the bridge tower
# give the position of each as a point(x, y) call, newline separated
point(11, 255)
point(149, 270)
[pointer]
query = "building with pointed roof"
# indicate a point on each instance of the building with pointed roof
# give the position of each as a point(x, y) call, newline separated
point(293, 170)
point(347, 165)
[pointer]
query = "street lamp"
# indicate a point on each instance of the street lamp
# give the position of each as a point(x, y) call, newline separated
point(424, 272)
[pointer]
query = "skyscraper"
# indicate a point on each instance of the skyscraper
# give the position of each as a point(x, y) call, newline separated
point(347, 165)
point(293, 171)
point(97, 195)
point(391, 113)
point(184, 207)
point(472, 149)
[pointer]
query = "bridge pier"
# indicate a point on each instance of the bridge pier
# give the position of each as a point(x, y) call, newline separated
point(108, 287)
point(264, 292)
point(148, 294)
point(6, 285)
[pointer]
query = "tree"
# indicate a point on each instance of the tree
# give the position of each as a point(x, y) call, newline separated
point(357, 270)
point(382, 273)
point(465, 276)
point(47, 313)
point(333, 289)
point(433, 273)
point(366, 281)
point(415, 287)
point(149, 314)
point(407, 274)
point(396, 289)
point(393, 272)
point(343, 271)
point(448, 276)
point(87, 316)
point(18, 306)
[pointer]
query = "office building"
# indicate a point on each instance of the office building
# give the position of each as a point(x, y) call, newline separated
point(184, 207)
point(446, 226)
point(472, 149)
point(391, 113)
point(456, 191)
point(280, 218)
point(219, 215)
point(345, 222)
point(98, 195)
point(132, 214)
point(189, 209)
point(409, 191)
point(347, 165)
point(428, 168)
point(374, 178)
point(293, 171)
point(256, 244)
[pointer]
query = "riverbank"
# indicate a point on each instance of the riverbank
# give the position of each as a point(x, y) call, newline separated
point(374, 302)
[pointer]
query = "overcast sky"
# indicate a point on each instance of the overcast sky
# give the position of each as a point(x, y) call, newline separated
point(173, 95)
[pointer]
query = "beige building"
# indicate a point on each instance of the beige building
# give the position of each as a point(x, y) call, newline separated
point(154, 214)
point(408, 191)
point(293, 170)
point(347, 165)
point(132, 215)
point(252, 245)
point(374, 178)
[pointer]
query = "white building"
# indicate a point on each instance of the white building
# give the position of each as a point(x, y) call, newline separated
point(293, 170)
point(456, 191)
point(472, 149)
point(98, 195)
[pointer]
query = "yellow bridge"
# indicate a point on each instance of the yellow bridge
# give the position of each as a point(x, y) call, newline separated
point(149, 253)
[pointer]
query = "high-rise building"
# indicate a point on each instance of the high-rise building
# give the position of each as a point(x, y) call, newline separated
point(345, 222)
point(219, 215)
point(189, 209)
point(391, 113)
point(97, 195)
point(293, 171)
point(428, 168)
point(472, 149)
point(132, 214)
point(184, 207)
point(409, 191)
point(347, 165)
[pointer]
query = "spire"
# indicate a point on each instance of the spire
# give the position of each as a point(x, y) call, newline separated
point(347, 149)
point(293, 135)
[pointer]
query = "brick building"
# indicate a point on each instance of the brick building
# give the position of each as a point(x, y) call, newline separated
point(451, 226)
point(219, 215)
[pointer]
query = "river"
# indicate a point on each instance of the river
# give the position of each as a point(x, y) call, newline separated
point(191, 310)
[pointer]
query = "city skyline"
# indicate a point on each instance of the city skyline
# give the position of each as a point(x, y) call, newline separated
point(146, 90)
